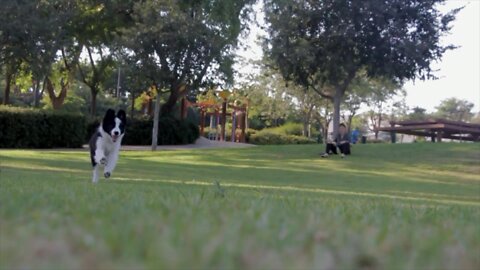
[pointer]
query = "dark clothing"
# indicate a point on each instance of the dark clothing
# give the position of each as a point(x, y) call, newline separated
point(343, 147)
point(340, 138)
point(331, 149)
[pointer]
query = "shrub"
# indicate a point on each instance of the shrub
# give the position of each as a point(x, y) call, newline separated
point(32, 128)
point(265, 137)
point(289, 128)
point(170, 131)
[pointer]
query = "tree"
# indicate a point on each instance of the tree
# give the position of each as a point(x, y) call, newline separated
point(269, 100)
point(357, 95)
point(418, 114)
point(31, 34)
point(455, 109)
point(95, 27)
point(378, 99)
point(185, 42)
point(324, 44)
point(307, 102)
point(476, 118)
point(324, 115)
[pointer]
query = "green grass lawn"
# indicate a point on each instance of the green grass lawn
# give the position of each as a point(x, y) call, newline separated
point(410, 206)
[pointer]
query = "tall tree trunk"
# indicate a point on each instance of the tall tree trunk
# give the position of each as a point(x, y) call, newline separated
point(36, 93)
point(8, 83)
point(57, 101)
point(337, 100)
point(306, 121)
point(379, 123)
point(156, 118)
point(169, 106)
point(305, 129)
point(177, 91)
point(132, 110)
point(93, 102)
point(350, 119)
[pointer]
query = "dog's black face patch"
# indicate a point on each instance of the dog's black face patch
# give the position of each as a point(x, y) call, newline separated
point(114, 125)
point(122, 116)
point(108, 123)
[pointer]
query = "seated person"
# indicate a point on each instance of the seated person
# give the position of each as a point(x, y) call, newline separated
point(342, 141)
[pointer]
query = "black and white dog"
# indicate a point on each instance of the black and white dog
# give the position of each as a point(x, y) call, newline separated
point(105, 142)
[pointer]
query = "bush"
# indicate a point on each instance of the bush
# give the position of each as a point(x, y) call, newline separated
point(32, 128)
point(289, 128)
point(170, 131)
point(265, 137)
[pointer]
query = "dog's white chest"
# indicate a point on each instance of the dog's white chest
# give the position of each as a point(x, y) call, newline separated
point(108, 147)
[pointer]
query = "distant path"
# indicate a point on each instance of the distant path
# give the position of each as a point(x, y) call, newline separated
point(200, 143)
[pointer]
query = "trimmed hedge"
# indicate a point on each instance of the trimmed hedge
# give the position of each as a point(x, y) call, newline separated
point(171, 131)
point(265, 137)
point(31, 128)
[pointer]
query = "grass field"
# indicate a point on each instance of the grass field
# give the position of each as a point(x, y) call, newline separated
point(411, 206)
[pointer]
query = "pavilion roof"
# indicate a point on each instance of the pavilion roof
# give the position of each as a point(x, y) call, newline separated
point(433, 127)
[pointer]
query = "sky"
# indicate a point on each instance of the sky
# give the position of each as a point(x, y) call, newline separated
point(458, 71)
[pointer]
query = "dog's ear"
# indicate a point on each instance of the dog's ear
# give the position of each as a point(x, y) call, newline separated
point(109, 115)
point(122, 116)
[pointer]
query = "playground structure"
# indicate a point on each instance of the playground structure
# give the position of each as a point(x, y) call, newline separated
point(436, 129)
point(218, 113)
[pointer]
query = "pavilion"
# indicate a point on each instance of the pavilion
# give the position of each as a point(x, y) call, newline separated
point(436, 129)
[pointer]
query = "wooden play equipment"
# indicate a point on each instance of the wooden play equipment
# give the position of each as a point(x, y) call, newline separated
point(218, 112)
point(436, 129)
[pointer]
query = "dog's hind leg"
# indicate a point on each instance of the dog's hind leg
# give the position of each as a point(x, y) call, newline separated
point(95, 174)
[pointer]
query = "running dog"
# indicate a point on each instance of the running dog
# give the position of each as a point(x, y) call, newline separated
point(106, 141)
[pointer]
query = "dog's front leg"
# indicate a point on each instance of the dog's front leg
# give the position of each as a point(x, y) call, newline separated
point(100, 157)
point(95, 174)
point(112, 162)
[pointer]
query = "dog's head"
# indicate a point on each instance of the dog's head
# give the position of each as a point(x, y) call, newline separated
point(114, 125)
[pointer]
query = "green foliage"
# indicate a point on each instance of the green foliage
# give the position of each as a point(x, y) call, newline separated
point(267, 137)
point(170, 131)
point(417, 114)
point(408, 206)
point(270, 100)
point(323, 45)
point(289, 133)
point(72, 104)
point(176, 42)
point(29, 128)
point(289, 128)
point(455, 109)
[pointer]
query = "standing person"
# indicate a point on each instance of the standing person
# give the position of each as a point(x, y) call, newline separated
point(355, 135)
point(342, 141)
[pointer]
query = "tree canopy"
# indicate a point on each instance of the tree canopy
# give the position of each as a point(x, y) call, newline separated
point(323, 44)
point(185, 42)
